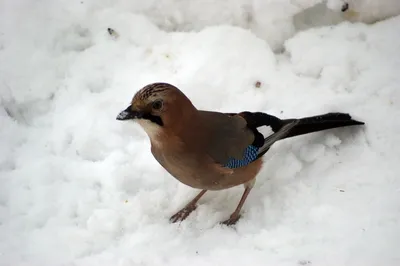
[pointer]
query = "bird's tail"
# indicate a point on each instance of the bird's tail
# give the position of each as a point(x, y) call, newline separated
point(318, 123)
point(286, 128)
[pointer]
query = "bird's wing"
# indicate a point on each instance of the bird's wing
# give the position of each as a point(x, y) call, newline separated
point(226, 136)
point(268, 129)
point(262, 125)
point(235, 140)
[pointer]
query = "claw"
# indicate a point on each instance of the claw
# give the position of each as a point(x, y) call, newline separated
point(182, 214)
point(232, 220)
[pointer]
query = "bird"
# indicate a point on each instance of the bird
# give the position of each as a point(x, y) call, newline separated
point(210, 150)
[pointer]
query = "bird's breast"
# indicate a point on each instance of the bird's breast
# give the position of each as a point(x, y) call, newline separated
point(201, 173)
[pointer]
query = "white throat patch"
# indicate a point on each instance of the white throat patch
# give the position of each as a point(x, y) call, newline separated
point(152, 129)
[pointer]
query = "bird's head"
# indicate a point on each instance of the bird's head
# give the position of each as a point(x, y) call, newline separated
point(157, 106)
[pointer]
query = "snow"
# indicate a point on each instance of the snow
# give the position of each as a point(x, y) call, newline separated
point(80, 188)
point(370, 11)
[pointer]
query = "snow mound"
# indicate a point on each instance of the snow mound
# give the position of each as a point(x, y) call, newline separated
point(80, 188)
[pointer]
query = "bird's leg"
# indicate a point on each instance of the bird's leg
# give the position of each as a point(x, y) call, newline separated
point(191, 206)
point(236, 214)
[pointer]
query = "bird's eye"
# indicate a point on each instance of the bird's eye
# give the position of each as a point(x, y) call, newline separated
point(157, 105)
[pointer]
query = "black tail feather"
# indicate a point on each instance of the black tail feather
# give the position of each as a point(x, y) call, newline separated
point(321, 122)
point(303, 125)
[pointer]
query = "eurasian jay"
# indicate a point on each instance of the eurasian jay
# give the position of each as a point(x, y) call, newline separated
point(211, 150)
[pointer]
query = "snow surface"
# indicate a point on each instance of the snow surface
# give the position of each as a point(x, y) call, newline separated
point(80, 188)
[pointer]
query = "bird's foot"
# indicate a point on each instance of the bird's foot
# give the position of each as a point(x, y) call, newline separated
point(183, 214)
point(232, 220)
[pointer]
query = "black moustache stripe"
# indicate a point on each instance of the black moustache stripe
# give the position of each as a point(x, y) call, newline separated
point(154, 119)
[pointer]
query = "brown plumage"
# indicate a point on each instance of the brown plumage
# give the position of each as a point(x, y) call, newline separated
point(207, 150)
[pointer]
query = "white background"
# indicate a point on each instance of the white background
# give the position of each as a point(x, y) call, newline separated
point(78, 187)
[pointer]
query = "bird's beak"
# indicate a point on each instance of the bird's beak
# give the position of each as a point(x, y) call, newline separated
point(128, 113)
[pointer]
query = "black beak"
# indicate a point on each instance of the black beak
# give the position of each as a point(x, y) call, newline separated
point(128, 113)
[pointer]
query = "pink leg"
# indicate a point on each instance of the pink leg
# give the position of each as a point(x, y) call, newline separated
point(191, 206)
point(235, 216)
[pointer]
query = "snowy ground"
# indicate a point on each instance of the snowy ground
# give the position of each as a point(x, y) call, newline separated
point(80, 188)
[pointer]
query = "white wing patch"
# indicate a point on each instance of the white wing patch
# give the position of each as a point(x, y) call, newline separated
point(265, 130)
point(281, 133)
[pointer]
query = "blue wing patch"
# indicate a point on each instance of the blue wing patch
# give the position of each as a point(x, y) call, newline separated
point(250, 154)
